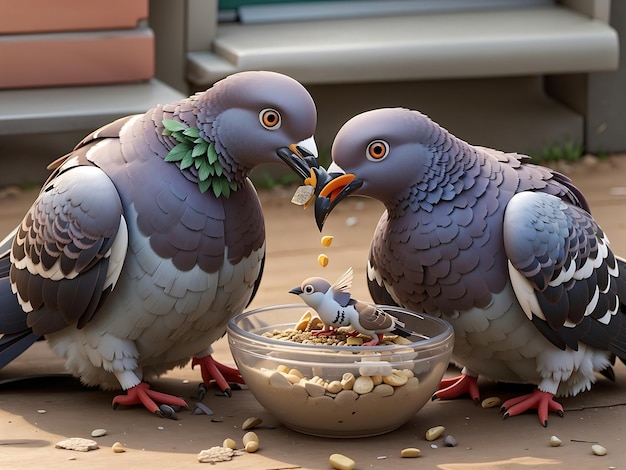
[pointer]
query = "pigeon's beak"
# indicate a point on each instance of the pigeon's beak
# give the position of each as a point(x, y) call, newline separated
point(296, 290)
point(337, 185)
point(300, 157)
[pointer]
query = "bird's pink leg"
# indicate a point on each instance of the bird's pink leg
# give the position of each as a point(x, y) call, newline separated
point(212, 370)
point(141, 394)
point(457, 386)
point(542, 401)
point(323, 332)
point(374, 341)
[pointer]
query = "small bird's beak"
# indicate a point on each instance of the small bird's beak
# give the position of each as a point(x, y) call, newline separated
point(300, 157)
point(337, 185)
point(296, 290)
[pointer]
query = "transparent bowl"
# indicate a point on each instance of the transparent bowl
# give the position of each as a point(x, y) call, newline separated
point(312, 406)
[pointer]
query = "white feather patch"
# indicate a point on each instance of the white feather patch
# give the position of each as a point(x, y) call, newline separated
point(525, 293)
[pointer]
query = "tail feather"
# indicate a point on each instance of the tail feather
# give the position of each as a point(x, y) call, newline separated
point(15, 335)
point(13, 345)
point(402, 331)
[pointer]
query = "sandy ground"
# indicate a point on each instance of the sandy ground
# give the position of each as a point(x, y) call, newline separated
point(485, 440)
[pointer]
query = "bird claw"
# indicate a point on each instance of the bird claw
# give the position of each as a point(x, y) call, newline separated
point(542, 401)
point(213, 371)
point(457, 386)
point(202, 390)
point(141, 394)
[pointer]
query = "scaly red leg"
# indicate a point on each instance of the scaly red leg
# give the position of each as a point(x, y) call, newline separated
point(323, 332)
point(142, 395)
point(212, 370)
point(374, 341)
point(457, 386)
point(542, 401)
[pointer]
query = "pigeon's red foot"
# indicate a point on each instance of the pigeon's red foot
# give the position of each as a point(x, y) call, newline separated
point(543, 402)
point(221, 374)
point(457, 386)
point(142, 395)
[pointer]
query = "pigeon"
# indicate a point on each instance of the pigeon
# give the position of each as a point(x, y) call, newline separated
point(148, 237)
point(336, 309)
point(505, 250)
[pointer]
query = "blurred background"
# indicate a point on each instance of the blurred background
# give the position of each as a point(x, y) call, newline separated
point(543, 77)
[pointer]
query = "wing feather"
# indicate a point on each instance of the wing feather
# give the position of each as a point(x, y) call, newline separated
point(563, 272)
point(61, 251)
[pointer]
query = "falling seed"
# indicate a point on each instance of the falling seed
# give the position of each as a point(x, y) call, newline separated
point(327, 240)
point(42, 412)
point(322, 259)
point(555, 441)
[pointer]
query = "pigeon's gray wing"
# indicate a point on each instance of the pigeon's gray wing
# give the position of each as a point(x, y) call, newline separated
point(69, 249)
point(564, 274)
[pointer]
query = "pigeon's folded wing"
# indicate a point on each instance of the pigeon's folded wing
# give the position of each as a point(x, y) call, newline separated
point(564, 274)
point(69, 249)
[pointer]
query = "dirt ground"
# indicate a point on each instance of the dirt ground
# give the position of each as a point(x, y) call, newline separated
point(34, 383)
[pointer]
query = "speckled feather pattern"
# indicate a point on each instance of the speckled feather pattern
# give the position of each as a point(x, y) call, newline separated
point(505, 250)
point(123, 263)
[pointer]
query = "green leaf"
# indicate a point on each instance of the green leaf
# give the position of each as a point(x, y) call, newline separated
point(192, 132)
point(218, 169)
point(179, 136)
point(217, 187)
point(211, 153)
point(200, 149)
point(173, 126)
point(204, 170)
point(204, 186)
point(177, 153)
point(187, 160)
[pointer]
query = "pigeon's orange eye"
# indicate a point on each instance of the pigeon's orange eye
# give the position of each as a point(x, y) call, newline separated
point(270, 118)
point(308, 289)
point(377, 150)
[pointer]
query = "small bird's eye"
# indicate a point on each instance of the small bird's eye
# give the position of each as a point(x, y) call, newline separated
point(377, 150)
point(270, 118)
point(308, 289)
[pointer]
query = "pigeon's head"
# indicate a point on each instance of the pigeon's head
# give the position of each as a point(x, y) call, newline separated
point(380, 154)
point(260, 117)
point(312, 290)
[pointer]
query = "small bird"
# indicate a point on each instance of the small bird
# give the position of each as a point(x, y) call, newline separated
point(505, 250)
point(336, 308)
point(148, 237)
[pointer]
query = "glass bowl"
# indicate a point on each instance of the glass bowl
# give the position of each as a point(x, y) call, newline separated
point(313, 388)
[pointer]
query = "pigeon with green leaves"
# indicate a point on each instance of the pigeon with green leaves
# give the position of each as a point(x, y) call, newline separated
point(148, 237)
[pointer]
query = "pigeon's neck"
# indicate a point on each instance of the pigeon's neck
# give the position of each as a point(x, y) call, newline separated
point(199, 159)
point(453, 170)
